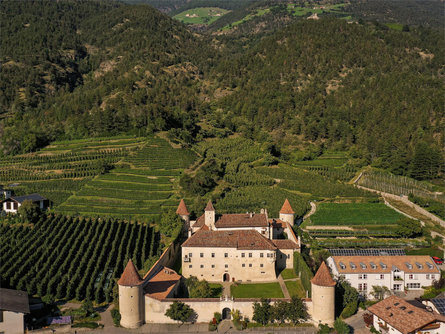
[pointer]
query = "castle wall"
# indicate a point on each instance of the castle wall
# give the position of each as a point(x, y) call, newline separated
point(214, 263)
point(204, 308)
point(285, 258)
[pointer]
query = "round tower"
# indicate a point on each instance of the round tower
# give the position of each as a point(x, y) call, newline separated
point(131, 297)
point(286, 213)
point(323, 297)
point(183, 212)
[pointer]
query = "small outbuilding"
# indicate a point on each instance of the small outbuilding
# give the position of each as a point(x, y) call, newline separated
point(14, 304)
point(12, 204)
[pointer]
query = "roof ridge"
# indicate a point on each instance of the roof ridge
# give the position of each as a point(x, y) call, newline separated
point(182, 209)
point(209, 206)
point(130, 276)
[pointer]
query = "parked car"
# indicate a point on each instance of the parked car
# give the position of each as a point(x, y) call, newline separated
point(437, 260)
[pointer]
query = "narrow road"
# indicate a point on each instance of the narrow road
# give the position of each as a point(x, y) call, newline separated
point(283, 287)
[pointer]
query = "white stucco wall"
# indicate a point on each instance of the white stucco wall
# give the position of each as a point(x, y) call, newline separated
point(212, 269)
point(13, 323)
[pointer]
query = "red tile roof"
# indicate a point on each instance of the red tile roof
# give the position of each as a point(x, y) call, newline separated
point(403, 316)
point(130, 276)
point(247, 239)
point(200, 222)
point(323, 276)
point(417, 264)
point(242, 220)
point(160, 285)
point(209, 206)
point(182, 209)
point(286, 208)
point(278, 223)
point(285, 244)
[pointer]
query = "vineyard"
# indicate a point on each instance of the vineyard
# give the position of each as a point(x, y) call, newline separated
point(62, 168)
point(139, 187)
point(312, 183)
point(399, 185)
point(73, 257)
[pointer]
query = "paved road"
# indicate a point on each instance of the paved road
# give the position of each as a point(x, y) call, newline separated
point(357, 324)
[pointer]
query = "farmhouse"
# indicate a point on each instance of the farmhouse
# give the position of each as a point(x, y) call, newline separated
point(396, 315)
point(14, 305)
point(238, 247)
point(12, 204)
point(397, 273)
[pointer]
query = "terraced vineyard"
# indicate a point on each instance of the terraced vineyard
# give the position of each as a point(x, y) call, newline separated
point(139, 187)
point(73, 257)
point(62, 168)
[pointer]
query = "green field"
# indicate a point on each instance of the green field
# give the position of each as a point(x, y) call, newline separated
point(295, 289)
point(395, 26)
point(260, 290)
point(202, 15)
point(139, 187)
point(354, 214)
point(288, 274)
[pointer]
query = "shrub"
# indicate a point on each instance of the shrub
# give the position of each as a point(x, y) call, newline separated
point(116, 315)
point(341, 327)
point(349, 310)
point(212, 327)
point(323, 329)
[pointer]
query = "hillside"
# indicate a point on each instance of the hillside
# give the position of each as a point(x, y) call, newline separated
point(314, 84)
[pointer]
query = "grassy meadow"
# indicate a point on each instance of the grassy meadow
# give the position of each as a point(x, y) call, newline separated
point(201, 15)
point(260, 290)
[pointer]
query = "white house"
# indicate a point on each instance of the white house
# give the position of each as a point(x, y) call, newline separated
point(12, 204)
point(14, 305)
point(395, 315)
point(397, 273)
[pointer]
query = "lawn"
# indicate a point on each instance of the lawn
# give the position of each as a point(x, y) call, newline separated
point(354, 214)
point(431, 251)
point(395, 26)
point(295, 289)
point(288, 274)
point(202, 15)
point(260, 290)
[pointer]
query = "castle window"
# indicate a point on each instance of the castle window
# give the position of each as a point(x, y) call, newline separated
point(243, 254)
point(226, 266)
point(261, 255)
point(213, 254)
point(261, 265)
point(427, 276)
point(250, 254)
point(243, 265)
point(201, 266)
point(382, 276)
point(190, 254)
point(190, 265)
point(226, 254)
point(288, 256)
point(250, 265)
point(213, 266)
point(201, 255)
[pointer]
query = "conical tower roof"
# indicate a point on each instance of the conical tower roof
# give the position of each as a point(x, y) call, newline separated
point(323, 276)
point(130, 275)
point(209, 206)
point(286, 208)
point(182, 209)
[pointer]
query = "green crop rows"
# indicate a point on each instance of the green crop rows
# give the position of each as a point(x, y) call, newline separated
point(139, 187)
point(72, 257)
point(354, 214)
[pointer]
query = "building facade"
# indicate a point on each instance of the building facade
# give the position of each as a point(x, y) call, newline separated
point(397, 273)
point(14, 305)
point(12, 204)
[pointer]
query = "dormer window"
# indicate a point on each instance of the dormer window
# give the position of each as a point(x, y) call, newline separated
point(352, 265)
point(408, 265)
point(342, 265)
point(382, 265)
point(419, 265)
point(429, 265)
point(362, 265)
point(373, 265)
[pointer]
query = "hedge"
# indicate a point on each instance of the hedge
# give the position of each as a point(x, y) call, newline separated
point(301, 268)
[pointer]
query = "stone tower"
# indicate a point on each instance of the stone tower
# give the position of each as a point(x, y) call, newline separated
point(286, 213)
point(209, 215)
point(183, 212)
point(323, 296)
point(131, 297)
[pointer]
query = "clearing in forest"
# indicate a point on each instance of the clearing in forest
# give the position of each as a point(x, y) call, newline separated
point(201, 15)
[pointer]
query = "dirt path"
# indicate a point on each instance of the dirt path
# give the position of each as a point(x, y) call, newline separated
point(310, 213)
point(283, 287)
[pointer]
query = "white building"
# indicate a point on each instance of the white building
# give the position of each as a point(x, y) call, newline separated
point(395, 315)
point(12, 204)
point(14, 305)
point(397, 273)
point(238, 247)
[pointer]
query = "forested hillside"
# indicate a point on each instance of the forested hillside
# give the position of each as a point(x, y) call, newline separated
point(101, 69)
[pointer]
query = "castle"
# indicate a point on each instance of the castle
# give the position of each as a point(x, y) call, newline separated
point(231, 247)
